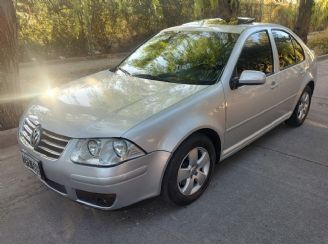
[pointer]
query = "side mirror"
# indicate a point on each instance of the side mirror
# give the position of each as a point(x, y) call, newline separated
point(252, 77)
point(249, 78)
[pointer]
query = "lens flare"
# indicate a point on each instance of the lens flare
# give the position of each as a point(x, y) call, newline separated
point(50, 92)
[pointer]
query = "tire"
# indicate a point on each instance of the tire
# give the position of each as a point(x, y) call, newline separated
point(302, 108)
point(193, 162)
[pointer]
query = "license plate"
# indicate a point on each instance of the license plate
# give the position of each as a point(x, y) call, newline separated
point(31, 163)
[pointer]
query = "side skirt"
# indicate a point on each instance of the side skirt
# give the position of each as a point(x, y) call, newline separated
point(238, 146)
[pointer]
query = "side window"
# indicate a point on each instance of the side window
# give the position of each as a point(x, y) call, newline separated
point(299, 52)
point(256, 54)
point(285, 48)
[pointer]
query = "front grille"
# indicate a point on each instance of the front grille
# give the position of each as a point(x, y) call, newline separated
point(51, 144)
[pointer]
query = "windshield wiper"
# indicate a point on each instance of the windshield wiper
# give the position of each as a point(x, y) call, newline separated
point(149, 77)
point(123, 70)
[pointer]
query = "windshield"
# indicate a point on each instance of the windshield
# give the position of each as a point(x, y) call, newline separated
point(188, 57)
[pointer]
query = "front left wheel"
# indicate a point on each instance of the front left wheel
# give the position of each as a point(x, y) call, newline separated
point(189, 171)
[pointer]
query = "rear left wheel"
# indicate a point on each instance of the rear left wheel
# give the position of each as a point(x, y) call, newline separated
point(302, 108)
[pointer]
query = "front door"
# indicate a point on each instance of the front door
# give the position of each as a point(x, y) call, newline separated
point(251, 108)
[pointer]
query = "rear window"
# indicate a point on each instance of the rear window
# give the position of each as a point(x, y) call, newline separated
point(289, 50)
point(299, 52)
point(285, 49)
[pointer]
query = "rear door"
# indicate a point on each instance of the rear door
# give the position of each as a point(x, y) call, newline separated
point(292, 69)
point(251, 108)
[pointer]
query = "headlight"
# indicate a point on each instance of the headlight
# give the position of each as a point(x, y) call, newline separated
point(105, 152)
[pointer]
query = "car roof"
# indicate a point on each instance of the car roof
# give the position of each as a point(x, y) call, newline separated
point(237, 25)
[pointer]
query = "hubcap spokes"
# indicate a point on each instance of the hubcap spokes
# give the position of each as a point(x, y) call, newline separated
point(303, 106)
point(193, 171)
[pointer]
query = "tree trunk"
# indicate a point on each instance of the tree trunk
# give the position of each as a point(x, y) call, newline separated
point(10, 108)
point(228, 9)
point(303, 21)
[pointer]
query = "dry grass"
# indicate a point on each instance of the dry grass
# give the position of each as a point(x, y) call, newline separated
point(318, 41)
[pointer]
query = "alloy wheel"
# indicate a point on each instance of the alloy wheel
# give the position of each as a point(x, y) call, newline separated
point(194, 171)
point(303, 106)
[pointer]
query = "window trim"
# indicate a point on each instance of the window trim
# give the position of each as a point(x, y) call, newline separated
point(303, 53)
point(291, 38)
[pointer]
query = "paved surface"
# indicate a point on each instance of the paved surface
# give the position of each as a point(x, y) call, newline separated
point(274, 191)
point(36, 78)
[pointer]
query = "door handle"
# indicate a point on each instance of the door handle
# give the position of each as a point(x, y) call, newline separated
point(274, 84)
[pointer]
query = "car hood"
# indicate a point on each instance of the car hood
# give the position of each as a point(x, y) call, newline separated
point(105, 104)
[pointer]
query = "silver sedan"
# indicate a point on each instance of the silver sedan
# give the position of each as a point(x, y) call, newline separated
point(158, 123)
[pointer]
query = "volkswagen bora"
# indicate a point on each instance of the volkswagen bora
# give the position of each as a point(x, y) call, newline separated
point(159, 122)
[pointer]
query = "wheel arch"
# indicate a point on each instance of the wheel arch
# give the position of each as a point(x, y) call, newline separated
point(214, 137)
point(210, 133)
point(311, 84)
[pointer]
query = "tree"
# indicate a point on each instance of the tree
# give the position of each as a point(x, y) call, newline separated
point(9, 85)
point(228, 8)
point(172, 11)
point(303, 21)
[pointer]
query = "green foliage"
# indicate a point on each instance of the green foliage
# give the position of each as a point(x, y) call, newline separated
point(52, 28)
point(82, 27)
point(319, 19)
point(285, 14)
point(318, 41)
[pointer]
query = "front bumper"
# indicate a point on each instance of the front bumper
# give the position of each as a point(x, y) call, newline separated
point(119, 186)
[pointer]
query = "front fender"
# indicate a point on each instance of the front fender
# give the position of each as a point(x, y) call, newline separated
point(168, 129)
